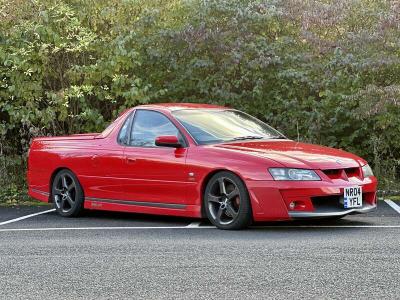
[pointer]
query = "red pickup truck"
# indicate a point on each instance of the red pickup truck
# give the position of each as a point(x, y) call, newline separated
point(197, 160)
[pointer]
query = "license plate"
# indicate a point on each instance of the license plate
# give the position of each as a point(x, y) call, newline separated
point(352, 197)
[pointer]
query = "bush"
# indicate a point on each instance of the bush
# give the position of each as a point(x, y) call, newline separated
point(12, 180)
point(326, 72)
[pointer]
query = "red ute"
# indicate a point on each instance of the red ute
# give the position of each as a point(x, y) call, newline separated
point(196, 161)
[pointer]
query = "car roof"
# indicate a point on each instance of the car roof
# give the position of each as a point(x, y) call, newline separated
point(178, 106)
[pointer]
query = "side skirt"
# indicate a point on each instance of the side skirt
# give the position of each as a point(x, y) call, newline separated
point(157, 208)
point(138, 203)
point(39, 195)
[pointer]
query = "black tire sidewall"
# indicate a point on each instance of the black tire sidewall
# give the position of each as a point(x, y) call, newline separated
point(244, 218)
point(78, 207)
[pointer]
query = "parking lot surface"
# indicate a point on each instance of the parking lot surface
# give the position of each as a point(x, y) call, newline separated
point(111, 255)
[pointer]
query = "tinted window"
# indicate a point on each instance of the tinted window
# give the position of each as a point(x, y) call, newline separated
point(123, 133)
point(147, 125)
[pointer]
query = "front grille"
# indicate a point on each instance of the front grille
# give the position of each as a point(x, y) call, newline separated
point(334, 174)
point(343, 173)
point(353, 172)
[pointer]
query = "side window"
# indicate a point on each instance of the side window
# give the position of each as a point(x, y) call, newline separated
point(123, 133)
point(147, 125)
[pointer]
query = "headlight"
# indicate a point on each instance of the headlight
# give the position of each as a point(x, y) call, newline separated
point(293, 174)
point(367, 171)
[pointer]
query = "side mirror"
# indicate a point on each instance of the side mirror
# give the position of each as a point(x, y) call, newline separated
point(168, 141)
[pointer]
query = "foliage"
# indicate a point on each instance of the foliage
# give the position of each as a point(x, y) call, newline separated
point(12, 180)
point(323, 71)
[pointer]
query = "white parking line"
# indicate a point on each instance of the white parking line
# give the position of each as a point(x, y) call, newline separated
point(393, 205)
point(103, 228)
point(327, 226)
point(26, 217)
point(193, 224)
point(186, 227)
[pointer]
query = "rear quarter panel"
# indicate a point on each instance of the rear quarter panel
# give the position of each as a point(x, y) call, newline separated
point(75, 152)
point(47, 156)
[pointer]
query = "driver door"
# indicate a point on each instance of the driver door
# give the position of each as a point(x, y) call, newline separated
point(155, 175)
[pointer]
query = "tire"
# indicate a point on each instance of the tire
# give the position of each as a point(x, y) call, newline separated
point(226, 202)
point(67, 194)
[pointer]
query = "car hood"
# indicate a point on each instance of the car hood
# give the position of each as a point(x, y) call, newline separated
point(297, 155)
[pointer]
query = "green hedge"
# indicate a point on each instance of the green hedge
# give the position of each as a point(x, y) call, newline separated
point(326, 72)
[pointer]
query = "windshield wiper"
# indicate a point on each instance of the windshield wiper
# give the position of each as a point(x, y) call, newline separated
point(248, 137)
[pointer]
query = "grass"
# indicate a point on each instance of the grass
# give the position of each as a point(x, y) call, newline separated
point(393, 198)
point(27, 202)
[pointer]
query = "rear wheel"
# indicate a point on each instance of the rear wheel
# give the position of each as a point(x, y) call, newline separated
point(226, 201)
point(67, 194)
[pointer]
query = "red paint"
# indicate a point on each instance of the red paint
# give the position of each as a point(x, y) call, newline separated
point(168, 140)
point(174, 178)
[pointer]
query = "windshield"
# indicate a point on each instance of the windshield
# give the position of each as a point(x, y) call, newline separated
point(217, 126)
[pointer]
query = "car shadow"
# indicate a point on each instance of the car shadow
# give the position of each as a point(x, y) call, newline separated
point(303, 223)
point(173, 220)
point(137, 217)
point(316, 222)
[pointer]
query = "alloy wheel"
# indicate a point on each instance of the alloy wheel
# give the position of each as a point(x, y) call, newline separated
point(65, 193)
point(224, 200)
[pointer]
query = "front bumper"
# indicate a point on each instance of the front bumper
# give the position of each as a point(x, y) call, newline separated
point(331, 213)
point(318, 199)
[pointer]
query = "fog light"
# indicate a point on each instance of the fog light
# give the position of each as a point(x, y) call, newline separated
point(297, 205)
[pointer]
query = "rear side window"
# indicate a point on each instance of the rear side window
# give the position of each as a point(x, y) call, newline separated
point(123, 133)
point(147, 125)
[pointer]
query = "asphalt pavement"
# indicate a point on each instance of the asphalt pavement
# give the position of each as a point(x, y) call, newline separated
point(106, 255)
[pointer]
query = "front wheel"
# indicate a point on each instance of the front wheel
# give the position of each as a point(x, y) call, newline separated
point(226, 201)
point(67, 194)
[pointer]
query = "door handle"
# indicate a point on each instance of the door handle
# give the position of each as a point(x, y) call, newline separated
point(130, 160)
